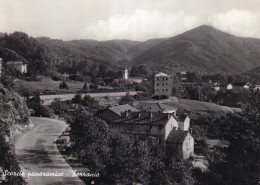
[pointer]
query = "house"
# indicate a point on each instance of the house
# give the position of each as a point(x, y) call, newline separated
point(136, 80)
point(1, 62)
point(18, 65)
point(115, 111)
point(156, 107)
point(183, 76)
point(247, 85)
point(240, 86)
point(151, 127)
point(217, 142)
point(162, 84)
point(229, 87)
point(257, 87)
point(180, 144)
point(216, 87)
point(131, 80)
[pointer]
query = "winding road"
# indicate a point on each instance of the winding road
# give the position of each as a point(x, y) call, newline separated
point(37, 152)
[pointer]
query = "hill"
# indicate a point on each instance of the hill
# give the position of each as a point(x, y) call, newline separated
point(253, 74)
point(203, 49)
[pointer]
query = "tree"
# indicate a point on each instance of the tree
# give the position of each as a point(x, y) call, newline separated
point(85, 87)
point(63, 85)
point(77, 99)
point(90, 136)
point(126, 100)
point(129, 161)
point(158, 175)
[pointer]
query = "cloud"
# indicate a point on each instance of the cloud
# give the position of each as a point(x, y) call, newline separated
point(141, 25)
point(238, 22)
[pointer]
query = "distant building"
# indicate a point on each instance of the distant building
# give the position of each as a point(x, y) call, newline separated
point(257, 87)
point(183, 76)
point(18, 65)
point(131, 80)
point(1, 62)
point(229, 87)
point(162, 84)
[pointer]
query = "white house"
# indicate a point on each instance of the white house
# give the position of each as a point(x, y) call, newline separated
point(18, 65)
point(229, 87)
point(257, 87)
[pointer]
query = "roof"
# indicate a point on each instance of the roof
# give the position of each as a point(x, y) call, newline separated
point(155, 107)
point(122, 108)
point(144, 118)
point(161, 74)
point(14, 62)
point(177, 136)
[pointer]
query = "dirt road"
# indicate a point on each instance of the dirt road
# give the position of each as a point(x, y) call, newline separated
point(38, 153)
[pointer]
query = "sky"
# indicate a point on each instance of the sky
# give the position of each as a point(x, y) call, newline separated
point(127, 19)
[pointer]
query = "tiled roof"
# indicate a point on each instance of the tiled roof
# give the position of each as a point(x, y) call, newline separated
point(177, 136)
point(146, 118)
point(161, 74)
point(154, 107)
point(122, 108)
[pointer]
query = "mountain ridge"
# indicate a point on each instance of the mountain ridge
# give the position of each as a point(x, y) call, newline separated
point(203, 49)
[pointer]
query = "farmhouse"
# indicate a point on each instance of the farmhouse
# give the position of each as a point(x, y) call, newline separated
point(162, 84)
point(151, 127)
point(18, 65)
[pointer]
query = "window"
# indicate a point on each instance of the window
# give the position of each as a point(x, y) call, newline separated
point(166, 83)
point(157, 84)
point(157, 78)
point(159, 140)
point(163, 79)
point(163, 90)
point(163, 84)
point(166, 78)
point(166, 89)
point(157, 89)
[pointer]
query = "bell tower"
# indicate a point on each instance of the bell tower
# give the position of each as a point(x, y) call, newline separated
point(125, 74)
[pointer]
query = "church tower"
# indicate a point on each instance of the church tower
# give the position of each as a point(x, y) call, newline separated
point(125, 74)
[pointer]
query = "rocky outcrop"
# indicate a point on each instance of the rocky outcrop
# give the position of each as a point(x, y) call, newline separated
point(14, 114)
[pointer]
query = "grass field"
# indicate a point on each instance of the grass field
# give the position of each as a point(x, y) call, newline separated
point(202, 107)
point(47, 84)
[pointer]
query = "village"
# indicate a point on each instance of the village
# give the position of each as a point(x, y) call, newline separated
point(168, 125)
